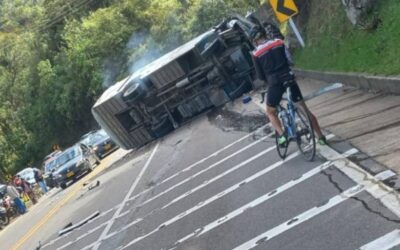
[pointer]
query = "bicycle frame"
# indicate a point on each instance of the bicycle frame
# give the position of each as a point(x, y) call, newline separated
point(290, 111)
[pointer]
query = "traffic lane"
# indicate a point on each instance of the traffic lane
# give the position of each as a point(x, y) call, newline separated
point(237, 230)
point(93, 225)
point(258, 166)
point(182, 198)
point(186, 145)
point(164, 193)
point(169, 158)
point(102, 198)
point(83, 240)
point(350, 225)
point(167, 140)
point(16, 229)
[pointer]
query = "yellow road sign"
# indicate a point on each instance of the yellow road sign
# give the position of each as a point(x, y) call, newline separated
point(284, 9)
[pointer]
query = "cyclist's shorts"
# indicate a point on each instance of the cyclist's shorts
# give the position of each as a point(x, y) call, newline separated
point(275, 93)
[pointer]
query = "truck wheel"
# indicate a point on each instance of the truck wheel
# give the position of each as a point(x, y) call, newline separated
point(162, 128)
point(134, 92)
point(63, 185)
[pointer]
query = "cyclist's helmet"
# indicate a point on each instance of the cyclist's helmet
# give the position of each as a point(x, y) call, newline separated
point(256, 32)
point(272, 32)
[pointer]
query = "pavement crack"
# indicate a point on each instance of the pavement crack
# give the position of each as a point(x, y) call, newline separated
point(363, 203)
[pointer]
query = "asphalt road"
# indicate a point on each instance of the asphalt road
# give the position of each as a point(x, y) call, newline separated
point(217, 183)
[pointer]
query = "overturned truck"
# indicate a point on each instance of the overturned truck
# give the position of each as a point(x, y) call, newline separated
point(208, 71)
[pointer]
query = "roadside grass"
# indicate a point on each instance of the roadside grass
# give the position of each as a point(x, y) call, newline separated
point(333, 44)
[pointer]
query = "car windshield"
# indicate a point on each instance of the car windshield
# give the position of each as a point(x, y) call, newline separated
point(68, 155)
point(50, 165)
point(26, 174)
point(94, 138)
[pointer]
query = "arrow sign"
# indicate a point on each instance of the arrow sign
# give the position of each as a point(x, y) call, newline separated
point(284, 9)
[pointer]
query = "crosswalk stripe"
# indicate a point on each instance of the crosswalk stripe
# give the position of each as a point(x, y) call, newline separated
point(203, 171)
point(218, 222)
point(203, 160)
point(219, 195)
point(309, 214)
point(385, 242)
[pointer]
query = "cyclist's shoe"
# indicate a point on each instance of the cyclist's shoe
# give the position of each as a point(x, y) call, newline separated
point(322, 141)
point(282, 140)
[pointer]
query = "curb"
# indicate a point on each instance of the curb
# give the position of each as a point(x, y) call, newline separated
point(388, 85)
point(387, 176)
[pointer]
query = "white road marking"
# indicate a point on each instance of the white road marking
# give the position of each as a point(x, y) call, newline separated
point(173, 176)
point(202, 171)
point(208, 201)
point(386, 195)
point(200, 231)
point(65, 235)
point(385, 175)
point(200, 161)
point(82, 236)
point(208, 182)
point(119, 210)
point(385, 242)
point(217, 196)
point(309, 214)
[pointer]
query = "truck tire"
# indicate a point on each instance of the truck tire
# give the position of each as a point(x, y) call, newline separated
point(162, 128)
point(63, 185)
point(134, 92)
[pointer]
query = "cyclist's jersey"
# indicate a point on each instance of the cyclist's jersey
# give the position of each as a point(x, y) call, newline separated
point(272, 57)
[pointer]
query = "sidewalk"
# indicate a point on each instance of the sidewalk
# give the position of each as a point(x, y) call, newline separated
point(369, 121)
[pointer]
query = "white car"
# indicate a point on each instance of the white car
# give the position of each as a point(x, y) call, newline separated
point(28, 175)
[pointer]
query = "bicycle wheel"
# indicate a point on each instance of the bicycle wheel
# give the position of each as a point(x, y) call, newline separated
point(305, 134)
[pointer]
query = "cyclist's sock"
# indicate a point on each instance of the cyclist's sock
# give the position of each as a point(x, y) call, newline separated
point(282, 140)
point(322, 141)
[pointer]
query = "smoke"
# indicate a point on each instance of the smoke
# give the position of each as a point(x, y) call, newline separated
point(142, 50)
point(109, 73)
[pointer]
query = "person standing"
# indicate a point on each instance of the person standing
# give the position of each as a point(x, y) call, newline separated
point(26, 187)
point(14, 195)
point(39, 180)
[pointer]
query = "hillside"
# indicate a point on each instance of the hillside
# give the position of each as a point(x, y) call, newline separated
point(334, 44)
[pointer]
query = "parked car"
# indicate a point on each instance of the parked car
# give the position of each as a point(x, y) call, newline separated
point(28, 175)
point(73, 163)
point(50, 162)
point(100, 142)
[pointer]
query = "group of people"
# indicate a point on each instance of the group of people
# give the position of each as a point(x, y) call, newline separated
point(20, 190)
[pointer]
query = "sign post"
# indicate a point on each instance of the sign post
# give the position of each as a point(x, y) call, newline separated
point(284, 10)
point(296, 32)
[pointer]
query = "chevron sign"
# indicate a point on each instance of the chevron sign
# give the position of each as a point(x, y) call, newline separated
point(284, 9)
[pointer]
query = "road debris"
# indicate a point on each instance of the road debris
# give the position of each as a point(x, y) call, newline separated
point(71, 227)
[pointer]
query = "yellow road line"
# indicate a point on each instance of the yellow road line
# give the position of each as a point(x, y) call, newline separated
point(55, 209)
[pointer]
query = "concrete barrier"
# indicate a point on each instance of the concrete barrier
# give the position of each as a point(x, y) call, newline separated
point(389, 85)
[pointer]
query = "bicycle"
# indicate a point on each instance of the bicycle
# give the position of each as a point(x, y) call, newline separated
point(297, 125)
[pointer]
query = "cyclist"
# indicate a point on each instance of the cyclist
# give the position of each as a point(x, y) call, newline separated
point(273, 61)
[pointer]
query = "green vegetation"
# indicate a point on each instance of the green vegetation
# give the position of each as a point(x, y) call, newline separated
point(56, 55)
point(333, 44)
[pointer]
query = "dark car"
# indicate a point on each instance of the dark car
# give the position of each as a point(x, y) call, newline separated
point(73, 163)
point(50, 162)
point(100, 142)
